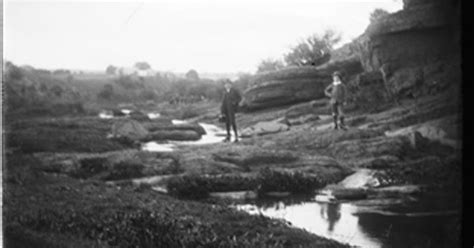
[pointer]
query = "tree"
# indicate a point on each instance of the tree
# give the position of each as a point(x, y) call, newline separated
point(107, 92)
point(13, 72)
point(377, 14)
point(192, 75)
point(142, 66)
point(57, 90)
point(314, 50)
point(243, 81)
point(110, 70)
point(270, 65)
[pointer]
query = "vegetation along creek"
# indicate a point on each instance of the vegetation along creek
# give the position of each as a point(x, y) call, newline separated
point(340, 143)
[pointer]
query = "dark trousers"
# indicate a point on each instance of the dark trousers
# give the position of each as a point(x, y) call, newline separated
point(337, 109)
point(230, 121)
point(337, 113)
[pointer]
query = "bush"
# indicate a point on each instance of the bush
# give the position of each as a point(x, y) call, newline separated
point(192, 75)
point(90, 167)
point(110, 70)
point(190, 186)
point(107, 92)
point(129, 83)
point(270, 65)
point(125, 170)
point(13, 72)
point(147, 94)
point(314, 50)
point(377, 14)
point(297, 182)
point(197, 187)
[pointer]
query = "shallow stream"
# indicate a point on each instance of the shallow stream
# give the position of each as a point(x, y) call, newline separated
point(406, 221)
point(214, 134)
point(357, 225)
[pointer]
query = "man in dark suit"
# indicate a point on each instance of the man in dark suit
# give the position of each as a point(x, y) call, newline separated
point(230, 104)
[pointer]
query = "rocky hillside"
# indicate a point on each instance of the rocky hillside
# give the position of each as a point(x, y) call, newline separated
point(408, 54)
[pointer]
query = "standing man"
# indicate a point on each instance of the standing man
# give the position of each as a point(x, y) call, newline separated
point(337, 92)
point(230, 103)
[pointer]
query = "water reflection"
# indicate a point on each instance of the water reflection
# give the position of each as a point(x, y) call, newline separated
point(154, 115)
point(334, 221)
point(106, 115)
point(331, 212)
point(213, 135)
point(156, 147)
point(345, 223)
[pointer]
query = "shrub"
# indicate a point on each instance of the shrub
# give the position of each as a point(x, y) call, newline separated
point(314, 50)
point(377, 14)
point(189, 112)
point(270, 65)
point(125, 170)
point(190, 186)
point(107, 92)
point(192, 75)
point(147, 94)
point(90, 167)
point(194, 186)
point(13, 72)
point(129, 83)
point(110, 70)
point(296, 182)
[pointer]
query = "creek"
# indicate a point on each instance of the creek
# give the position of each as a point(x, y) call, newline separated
point(214, 134)
point(388, 220)
point(407, 220)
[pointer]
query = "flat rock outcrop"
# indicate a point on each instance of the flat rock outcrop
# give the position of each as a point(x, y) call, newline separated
point(286, 86)
point(263, 128)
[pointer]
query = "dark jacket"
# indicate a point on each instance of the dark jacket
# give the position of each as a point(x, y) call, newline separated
point(336, 92)
point(230, 102)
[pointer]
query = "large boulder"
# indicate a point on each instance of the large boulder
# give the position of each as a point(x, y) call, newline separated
point(139, 116)
point(445, 130)
point(286, 86)
point(370, 92)
point(129, 129)
point(417, 48)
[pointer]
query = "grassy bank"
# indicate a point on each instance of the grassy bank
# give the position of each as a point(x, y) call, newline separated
point(56, 211)
point(66, 134)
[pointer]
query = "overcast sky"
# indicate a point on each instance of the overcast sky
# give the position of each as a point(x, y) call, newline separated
point(209, 36)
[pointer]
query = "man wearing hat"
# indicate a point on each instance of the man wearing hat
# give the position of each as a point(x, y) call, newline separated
point(337, 92)
point(229, 106)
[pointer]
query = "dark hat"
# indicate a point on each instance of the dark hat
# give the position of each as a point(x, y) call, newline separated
point(336, 73)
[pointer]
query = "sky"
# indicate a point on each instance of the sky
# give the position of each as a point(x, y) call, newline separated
point(173, 35)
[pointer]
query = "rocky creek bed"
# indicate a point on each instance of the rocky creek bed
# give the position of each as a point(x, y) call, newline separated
point(388, 170)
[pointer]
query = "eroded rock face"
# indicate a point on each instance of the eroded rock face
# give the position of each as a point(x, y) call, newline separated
point(290, 85)
point(444, 130)
point(297, 84)
point(417, 48)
